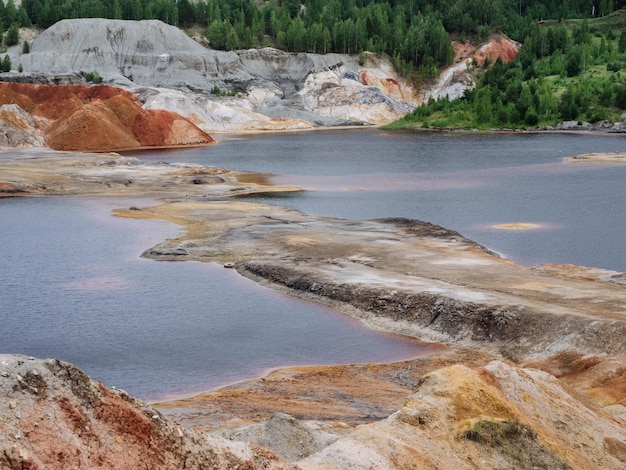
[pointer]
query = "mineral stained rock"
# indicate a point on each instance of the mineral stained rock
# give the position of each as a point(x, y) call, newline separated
point(274, 90)
point(78, 117)
point(54, 417)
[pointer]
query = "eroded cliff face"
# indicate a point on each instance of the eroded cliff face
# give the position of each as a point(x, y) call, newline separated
point(236, 91)
point(461, 75)
point(54, 417)
point(274, 90)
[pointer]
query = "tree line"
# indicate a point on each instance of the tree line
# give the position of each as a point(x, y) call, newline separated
point(414, 32)
point(558, 75)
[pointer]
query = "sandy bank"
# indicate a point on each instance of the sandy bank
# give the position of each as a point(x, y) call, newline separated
point(615, 157)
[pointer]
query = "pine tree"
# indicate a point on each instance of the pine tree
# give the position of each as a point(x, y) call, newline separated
point(13, 36)
point(6, 64)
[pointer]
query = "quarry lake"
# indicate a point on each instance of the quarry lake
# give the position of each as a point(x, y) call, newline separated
point(464, 181)
point(72, 284)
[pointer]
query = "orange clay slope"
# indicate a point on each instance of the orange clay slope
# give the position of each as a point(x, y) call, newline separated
point(100, 118)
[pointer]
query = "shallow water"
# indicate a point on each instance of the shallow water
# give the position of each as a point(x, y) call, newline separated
point(465, 182)
point(72, 286)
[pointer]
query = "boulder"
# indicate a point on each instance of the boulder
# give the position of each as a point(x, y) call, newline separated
point(18, 128)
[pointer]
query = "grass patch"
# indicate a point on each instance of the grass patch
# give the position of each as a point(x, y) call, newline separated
point(515, 442)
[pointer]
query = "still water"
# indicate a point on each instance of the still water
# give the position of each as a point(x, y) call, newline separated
point(466, 182)
point(72, 285)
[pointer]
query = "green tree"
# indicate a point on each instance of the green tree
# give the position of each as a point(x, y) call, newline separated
point(574, 61)
point(5, 66)
point(216, 33)
point(621, 45)
point(25, 48)
point(13, 36)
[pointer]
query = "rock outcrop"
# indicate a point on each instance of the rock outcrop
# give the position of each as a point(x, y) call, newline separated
point(492, 417)
point(78, 117)
point(460, 76)
point(457, 417)
point(54, 417)
point(274, 89)
point(18, 128)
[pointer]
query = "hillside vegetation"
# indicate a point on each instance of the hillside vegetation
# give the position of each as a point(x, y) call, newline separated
point(565, 71)
point(569, 68)
point(415, 33)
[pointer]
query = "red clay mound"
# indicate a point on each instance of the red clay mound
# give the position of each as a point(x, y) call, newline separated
point(100, 118)
point(158, 128)
point(91, 127)
point(499, 47)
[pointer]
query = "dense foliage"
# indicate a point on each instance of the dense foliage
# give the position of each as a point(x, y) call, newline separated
point(562, 72)
point(414, 32)
point(559, 75)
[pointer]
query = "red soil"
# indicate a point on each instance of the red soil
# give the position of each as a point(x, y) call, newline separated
point(497, 47)
point(100, 118)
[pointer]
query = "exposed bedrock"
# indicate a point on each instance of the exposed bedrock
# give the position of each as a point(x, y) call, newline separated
point(412, 277)
point(55, 417)
point(516, 331)
point(274, 89)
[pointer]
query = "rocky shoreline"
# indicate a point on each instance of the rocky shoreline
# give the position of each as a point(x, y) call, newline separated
point(399, 275)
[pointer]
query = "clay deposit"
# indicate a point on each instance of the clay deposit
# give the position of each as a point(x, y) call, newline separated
point(528, 371)
point(54, 417)
point(78, 117)
point(237, 91)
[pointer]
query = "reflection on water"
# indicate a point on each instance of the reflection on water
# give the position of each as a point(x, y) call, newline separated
point(72, 286)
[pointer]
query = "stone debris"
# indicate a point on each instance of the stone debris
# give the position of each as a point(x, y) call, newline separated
point(54, 416)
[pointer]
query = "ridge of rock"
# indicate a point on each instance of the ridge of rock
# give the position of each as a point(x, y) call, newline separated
point(57, 418)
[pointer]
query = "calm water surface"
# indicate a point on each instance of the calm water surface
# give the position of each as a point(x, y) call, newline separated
point(466, 182)
point(72, 285)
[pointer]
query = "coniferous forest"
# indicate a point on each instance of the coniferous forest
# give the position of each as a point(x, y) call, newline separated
point(571, 63)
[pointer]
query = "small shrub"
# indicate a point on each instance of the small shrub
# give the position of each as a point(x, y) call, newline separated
point(613, 66)
point(5, 66)
point(93, 77)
